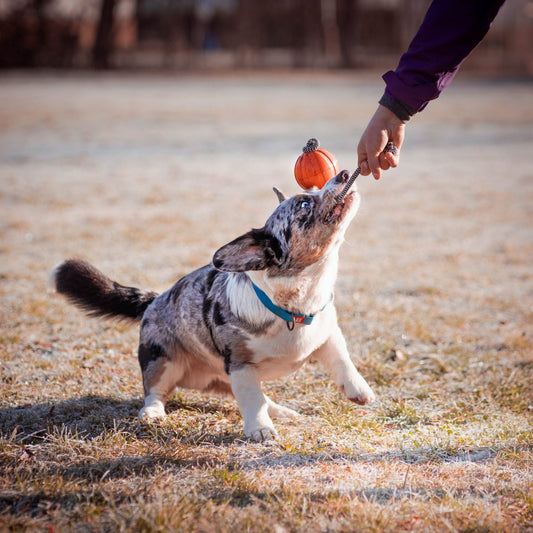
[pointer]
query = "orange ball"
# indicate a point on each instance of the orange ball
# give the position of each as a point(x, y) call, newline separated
point(315, 166)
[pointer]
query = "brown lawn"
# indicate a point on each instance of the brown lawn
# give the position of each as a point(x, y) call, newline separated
point(146, 176)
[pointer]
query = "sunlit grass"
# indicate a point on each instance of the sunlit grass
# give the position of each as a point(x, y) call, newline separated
point(433, 298)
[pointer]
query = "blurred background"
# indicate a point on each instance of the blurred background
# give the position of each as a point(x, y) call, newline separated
point(233, 34)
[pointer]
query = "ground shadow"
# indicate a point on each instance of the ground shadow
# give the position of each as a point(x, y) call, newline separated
point(87, 417)
point(90, 417)
point(170, 448)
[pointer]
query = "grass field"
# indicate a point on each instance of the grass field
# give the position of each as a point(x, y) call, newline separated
point(146, 176)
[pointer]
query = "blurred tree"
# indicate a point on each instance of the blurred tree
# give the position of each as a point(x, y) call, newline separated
point(330, 31)
point(31, 36)
point(346, 19)
point(103, 44)
point(247, 33)
point(250, 34)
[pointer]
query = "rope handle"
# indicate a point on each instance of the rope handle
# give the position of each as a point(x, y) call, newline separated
point(340, 197)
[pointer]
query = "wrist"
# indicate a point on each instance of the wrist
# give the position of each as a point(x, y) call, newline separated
point(400, 110)
point(388, 121)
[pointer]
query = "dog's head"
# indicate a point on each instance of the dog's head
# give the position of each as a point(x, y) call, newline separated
point(301, 231)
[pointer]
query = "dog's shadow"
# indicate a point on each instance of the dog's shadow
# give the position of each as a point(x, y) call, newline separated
point(91, 417)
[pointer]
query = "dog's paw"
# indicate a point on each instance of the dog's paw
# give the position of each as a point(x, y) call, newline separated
point(151, 412)
point(265, 435)
point(280, 411)
point(361, 395)
point(363, 399)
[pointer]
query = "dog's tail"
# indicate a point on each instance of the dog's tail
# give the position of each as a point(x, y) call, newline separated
point(92, 291)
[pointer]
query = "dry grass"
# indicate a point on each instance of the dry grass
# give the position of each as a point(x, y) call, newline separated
point(146, 177)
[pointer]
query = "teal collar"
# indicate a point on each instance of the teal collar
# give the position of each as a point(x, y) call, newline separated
point(289, 317)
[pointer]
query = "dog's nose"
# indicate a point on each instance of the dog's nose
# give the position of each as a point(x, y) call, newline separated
point(341, 177)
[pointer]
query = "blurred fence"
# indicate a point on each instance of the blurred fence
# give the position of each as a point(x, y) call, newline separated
point(181, 34)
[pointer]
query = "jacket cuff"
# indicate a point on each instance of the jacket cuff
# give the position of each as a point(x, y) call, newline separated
point(402, 111)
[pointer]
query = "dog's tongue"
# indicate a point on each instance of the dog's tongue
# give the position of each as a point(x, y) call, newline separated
point(335, 213)
point(338, 210)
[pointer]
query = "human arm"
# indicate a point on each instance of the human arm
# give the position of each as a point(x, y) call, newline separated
point(450, 31)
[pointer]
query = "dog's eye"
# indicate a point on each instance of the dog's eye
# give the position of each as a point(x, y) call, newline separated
point(305, 205)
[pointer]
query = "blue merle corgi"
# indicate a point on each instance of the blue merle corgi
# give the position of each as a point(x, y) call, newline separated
point(259, 311)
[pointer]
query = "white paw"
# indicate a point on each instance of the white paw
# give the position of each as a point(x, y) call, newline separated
point(151, 412)
point(280, 411)
point(361, 393)
point(363, 399)
point(262, 435)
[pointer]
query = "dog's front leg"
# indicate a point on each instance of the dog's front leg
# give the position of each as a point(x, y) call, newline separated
point(253, 404)
point(333, 354)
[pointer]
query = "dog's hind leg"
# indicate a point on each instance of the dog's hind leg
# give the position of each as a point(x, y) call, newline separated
point(279, 411)
point(160, 376)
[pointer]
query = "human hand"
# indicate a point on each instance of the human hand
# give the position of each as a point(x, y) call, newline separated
point(383, 127)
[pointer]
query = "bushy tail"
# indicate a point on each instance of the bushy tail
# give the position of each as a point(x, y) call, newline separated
point(96, 294)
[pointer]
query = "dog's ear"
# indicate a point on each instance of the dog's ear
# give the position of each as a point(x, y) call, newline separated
point(255, 250)
point(279, 194)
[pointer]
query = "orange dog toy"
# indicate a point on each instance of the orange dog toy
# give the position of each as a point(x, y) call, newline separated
point(315, 166)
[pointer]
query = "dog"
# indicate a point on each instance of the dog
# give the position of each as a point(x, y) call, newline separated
point(259, 311)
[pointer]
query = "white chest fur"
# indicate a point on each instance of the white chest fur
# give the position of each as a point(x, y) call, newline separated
point(280, 351)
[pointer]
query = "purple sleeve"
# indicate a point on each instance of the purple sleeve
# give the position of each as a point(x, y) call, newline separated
point(450, 31)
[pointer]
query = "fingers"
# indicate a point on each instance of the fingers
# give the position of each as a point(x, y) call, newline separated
point(375, 165)
point(384, 126)
point(396, 137)
point(383, 161)
point(390, 159)
point(365, 169)
point(371, 162)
